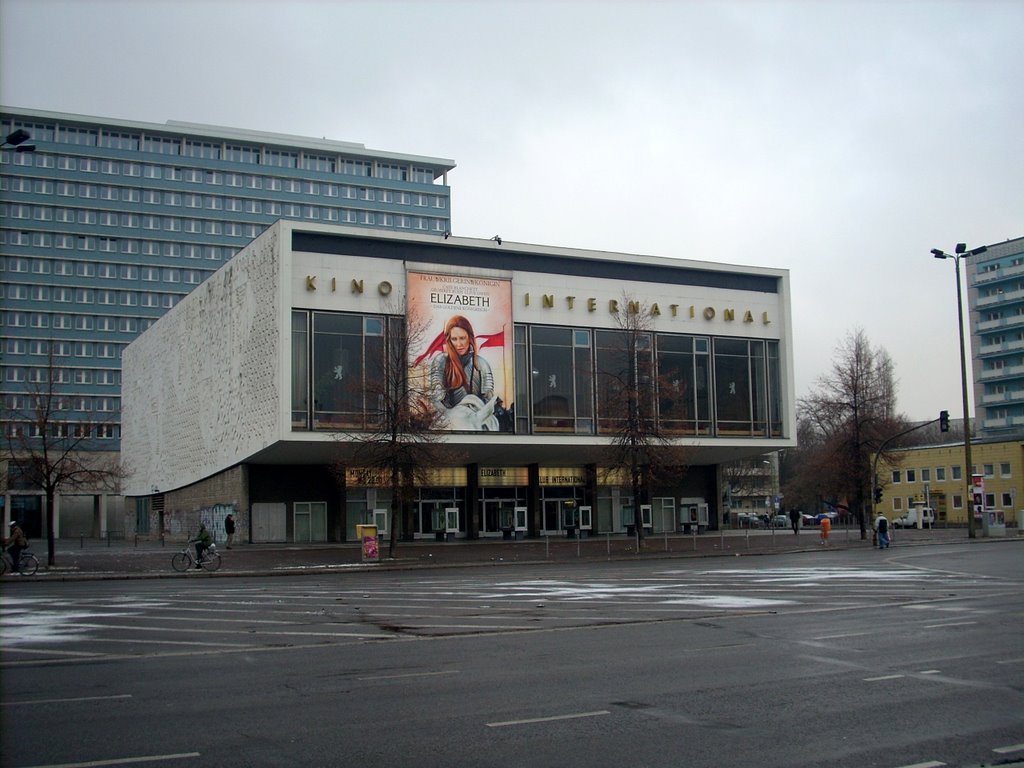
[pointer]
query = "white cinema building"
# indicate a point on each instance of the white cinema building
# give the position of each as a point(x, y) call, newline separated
point(242, 397)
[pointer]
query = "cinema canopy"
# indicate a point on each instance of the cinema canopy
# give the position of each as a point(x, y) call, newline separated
point(249, 396)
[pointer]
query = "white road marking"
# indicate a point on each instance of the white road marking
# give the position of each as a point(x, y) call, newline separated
point(52, 652)
point(1009, 749)
point(575, 716)
point(121, 761)
point(271, 633)
point(930, 672)
point(950, 624)
point(64, 701)
point(883, 677)
point(932, 764)
point(410, 674)
point(1011, 661)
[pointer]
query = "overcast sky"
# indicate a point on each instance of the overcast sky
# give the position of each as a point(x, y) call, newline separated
point(839, 140)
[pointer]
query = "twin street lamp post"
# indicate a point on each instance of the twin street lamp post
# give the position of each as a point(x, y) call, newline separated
point(961, 252)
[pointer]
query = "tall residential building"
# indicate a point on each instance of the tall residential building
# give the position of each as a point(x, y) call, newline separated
point(995, 295)
point(109, 223)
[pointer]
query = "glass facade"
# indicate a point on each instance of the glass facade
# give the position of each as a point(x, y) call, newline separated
point(107, 225)
point(572, 378)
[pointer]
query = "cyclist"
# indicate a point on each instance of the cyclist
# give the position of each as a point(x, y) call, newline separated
point(202, 540)
point(16, 543)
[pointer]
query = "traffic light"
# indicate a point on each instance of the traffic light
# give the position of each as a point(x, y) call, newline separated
point(943, 421)
point(878, 495)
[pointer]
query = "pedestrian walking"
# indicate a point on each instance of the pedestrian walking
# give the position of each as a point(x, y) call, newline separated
point(794, 520)
point(882, 531)
point(826, 529)
point(229, 529)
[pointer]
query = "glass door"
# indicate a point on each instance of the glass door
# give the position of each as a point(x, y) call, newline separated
point(552, 521)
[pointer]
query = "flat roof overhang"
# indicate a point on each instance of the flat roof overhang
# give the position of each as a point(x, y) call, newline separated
point(493, 451)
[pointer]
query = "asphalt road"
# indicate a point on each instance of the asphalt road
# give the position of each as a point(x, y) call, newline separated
point(826, 658)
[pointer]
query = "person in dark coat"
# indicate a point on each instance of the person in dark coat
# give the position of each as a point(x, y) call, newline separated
point(229, 529)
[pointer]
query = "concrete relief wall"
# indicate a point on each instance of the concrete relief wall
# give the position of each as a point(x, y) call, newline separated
point(182, 414)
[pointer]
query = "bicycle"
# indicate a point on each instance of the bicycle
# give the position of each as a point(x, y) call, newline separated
point(185, 559)
point(27, 563)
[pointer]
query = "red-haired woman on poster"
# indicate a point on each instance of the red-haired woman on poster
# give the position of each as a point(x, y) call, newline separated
point(460, 371)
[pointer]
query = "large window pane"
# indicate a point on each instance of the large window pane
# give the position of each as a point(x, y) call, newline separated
point(561, 380)
point(625, 380)
point(553, 396)
point(300, 370)
point(733, 387)
point(759, 388)
point(774, 390)
point(339, 366)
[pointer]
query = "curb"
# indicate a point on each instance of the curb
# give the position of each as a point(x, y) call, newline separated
point(65, 574)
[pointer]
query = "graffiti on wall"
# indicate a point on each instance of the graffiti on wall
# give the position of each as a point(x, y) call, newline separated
point(214, 519)
point(182, 523)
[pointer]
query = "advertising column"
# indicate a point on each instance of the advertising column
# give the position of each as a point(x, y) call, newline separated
point(978, 502)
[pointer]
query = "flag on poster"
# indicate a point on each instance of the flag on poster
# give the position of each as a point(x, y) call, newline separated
point(462, 348)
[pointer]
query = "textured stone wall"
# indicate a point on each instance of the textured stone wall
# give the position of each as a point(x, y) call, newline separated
point(183, 418)
point(209, 501)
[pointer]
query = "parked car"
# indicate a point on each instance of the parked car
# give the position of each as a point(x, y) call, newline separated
point(750, 520)
point(833, 516)
point(780, 521)
point(806, 520)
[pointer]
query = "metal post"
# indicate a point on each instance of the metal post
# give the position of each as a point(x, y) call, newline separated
point(969, 469)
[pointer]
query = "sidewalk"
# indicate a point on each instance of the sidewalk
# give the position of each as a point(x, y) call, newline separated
point(96, 559)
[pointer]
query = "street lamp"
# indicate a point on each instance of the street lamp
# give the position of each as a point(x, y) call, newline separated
point(17, 140)
point(961, 252)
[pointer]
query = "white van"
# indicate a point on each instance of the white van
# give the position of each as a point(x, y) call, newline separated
point(909, 520)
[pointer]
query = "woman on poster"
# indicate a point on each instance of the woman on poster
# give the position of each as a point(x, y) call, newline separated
point(460, 371)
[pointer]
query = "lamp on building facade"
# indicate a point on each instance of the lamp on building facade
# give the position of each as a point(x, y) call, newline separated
point(17, 140)
point(961, 252)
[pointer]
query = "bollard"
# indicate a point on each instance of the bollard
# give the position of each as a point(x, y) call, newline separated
point(608, 544)
point(81, 541)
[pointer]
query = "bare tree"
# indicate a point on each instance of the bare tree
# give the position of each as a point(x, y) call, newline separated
point(849, 414)
point(402, 436)
point(50, 447)
point(632, 400)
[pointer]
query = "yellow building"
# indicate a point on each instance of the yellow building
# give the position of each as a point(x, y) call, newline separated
point(935, 475)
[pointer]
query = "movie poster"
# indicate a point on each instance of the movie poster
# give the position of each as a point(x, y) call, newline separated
point(461, 349)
